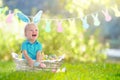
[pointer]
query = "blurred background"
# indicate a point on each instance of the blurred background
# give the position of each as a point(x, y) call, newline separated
point(83, 30)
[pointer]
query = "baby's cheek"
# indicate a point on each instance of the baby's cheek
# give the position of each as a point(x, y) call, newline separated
point(37, 33)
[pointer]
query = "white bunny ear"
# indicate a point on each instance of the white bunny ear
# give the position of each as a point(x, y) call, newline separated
point(37, 17)
point(23, 17)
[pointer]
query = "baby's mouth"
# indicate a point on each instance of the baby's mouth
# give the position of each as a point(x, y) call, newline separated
point(34, 35)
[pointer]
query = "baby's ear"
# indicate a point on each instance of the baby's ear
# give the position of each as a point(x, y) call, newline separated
point(37, 17)
point(23, 17)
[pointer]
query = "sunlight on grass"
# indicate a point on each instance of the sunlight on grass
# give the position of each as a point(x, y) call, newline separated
point(75, 71)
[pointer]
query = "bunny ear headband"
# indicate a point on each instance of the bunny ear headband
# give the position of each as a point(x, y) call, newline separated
point(26, 19)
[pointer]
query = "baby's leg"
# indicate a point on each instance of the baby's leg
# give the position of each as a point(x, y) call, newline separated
point(42, 65)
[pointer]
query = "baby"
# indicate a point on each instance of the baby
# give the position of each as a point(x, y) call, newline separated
point(31, 48)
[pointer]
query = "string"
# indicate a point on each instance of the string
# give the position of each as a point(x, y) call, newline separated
point(66, 19)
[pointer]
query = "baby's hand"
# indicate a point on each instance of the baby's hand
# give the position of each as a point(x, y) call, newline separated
point(30, 62)
point(42, 56)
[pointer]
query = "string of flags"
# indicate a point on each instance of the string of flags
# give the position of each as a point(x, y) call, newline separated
point(84, 21)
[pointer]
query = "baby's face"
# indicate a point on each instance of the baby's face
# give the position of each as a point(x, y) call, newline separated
point(31, 32)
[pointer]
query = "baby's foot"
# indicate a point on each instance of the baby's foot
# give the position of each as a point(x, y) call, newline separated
point(36, 63)
point(42, 65)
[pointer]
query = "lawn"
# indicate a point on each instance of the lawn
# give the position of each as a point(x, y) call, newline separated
point(75, 71)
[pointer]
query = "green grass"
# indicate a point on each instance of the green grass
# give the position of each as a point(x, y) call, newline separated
point(75, 71)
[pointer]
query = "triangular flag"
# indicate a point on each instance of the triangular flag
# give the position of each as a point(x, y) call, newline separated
point(59, 28)
point(84, 22)
point(96, 20)
point(107, 15)
point(48, 24)
point(115, 9)
point(9, 17)
point(72, 26)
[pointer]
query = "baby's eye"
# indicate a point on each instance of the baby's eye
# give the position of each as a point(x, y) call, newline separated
point(31, 30)
point(36, 30)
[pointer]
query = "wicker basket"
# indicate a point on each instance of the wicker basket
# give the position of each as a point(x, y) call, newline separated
point(21, 64)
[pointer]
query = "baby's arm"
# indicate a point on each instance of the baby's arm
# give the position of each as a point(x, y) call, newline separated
point(39, 56)
point(29, 60)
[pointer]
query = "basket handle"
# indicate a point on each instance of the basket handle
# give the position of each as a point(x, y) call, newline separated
point(14, 55)
point(61, 57)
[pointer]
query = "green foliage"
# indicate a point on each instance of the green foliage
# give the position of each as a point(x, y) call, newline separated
point(10, 40)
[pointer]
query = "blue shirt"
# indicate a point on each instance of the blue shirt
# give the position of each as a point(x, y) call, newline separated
point(31, 48)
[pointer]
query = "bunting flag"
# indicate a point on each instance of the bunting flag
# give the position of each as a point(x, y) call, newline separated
point(84, 21)
point(95, 19)
point(72, 26)
point(10, 17)
point(72, 22)
point(47, 28)
point(59, 28)
point(107, 15)
point(115, 9)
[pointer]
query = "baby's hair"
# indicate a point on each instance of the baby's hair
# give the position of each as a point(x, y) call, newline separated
point(29, 24)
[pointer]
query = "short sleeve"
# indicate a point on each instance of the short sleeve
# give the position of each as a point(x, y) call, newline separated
point(23, 47)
